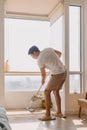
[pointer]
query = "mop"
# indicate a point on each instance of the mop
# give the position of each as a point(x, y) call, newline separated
point(35, 98)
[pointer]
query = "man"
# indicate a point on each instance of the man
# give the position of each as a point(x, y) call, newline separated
point(50, 59)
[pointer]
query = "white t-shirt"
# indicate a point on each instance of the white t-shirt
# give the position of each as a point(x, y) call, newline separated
point(50, 60)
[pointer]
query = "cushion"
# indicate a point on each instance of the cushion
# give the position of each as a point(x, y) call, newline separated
point(4, 123)
point(82, 102)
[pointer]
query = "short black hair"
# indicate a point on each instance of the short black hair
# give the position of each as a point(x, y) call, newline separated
point(33, 49)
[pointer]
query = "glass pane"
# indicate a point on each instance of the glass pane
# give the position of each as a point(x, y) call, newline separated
point(74, 38)
point(23, 83)
point(74, 84)
point(21, 34)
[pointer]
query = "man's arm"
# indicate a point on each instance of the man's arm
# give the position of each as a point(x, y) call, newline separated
point(58, 53)
point(43, 74)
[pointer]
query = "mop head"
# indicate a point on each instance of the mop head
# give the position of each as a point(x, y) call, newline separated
point(37, 97)
point(30, 109)
point(34, 99)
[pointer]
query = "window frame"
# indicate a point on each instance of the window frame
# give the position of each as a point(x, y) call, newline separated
point(81, 52)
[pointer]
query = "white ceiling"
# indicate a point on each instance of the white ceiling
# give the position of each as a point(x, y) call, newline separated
point(31, 7)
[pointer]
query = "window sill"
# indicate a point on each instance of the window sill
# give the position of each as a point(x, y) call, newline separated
point(21, 73)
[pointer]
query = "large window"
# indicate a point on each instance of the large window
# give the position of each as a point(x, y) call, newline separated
point(21, 34)
point(75, 60)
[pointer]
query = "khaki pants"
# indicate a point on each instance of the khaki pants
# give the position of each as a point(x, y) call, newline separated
point(56, 81)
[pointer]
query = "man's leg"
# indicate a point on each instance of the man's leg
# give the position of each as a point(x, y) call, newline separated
point(58, 101)
point(48, 101)
point(47, 115)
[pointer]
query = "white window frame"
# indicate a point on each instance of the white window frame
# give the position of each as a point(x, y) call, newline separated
point(81, 68)
point(72, 3)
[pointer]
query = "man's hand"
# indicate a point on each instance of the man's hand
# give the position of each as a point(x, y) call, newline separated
point(43, 81)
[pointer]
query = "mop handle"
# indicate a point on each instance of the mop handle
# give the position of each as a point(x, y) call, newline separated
point(41, 85)
point(39, 89)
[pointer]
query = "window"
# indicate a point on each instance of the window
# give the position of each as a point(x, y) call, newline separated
point(21, 34)
point(75, 60)
point(23, 82)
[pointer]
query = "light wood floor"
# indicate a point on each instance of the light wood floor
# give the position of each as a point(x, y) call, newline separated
point(25, 120)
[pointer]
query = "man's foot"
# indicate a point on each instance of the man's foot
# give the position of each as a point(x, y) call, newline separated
point(60, 115)
point(47, 118)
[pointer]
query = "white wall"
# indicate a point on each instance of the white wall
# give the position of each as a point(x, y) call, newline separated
point(20, 99)
point(1, 52)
